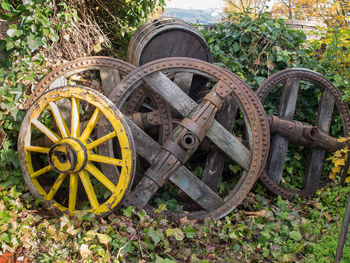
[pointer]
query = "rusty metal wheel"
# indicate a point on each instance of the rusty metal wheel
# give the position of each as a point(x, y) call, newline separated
point(104, 73)
point(293, 91)
point(56, 156)
point(168, 163)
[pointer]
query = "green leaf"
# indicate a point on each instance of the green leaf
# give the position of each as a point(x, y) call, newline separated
point(259, 80)
point(161, 207)
point(163, 260)
point(234, 168)
point(97, 48)
point(5, 237)
point(104, 239)
point(90, 235)
point(156, 236)
point(128, 211)
point(176, 232)
point(141, 214)
point(11, 32)
point(34, 43)
point(4, 217)
point(5, 5)
point(189, 231)
point(3, 44)
point(266, 233)
point(295, 235)
point(233, 235)
point(9, 45)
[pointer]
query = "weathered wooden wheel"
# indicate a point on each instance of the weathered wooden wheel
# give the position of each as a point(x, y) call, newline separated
point(168, 161)
point(105, 73)
point(285, 131)
point(53, 166)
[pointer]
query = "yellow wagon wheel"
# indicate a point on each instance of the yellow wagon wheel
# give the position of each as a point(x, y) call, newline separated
point(60, 161)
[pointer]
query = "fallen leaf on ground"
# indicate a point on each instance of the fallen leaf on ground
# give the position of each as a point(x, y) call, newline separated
point(261, 213)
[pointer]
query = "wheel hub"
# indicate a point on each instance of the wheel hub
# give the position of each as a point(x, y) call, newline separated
point(68, 155)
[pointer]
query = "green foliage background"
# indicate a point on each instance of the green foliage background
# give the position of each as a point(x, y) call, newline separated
point(256, 48)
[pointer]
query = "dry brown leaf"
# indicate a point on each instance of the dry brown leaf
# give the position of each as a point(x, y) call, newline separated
point(185, 221)
point(261, 213)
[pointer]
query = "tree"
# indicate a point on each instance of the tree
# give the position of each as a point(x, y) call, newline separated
point(246, 6)
point(331, 12)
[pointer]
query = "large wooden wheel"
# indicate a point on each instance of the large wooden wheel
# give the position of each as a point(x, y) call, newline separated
point(170, 162)
point(104, 73)
point(56, 156)
point(296, 125)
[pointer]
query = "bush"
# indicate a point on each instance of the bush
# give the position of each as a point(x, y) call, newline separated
point(22, 64)
point(255, 48)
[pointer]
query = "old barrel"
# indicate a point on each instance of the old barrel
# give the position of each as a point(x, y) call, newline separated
point(166, 37)
point(169, 37)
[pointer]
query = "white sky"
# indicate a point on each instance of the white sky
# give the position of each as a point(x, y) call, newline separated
point(195, 4)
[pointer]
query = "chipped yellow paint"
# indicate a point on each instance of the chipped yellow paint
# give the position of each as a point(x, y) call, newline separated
point(59, 165)
point(85, 169)
point(63, 147)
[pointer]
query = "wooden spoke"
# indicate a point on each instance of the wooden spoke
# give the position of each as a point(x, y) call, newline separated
point(196, 189)
point(105, 159)
point(37, 149)
point(215, 161)
point(172, 94)
point(110, 78)
point(41, 171)
point(316, 157)
point(99, 176)
point(230, 145)
point(56, 186)
point(61, 124)
point(279, 143)
point(184, 80)
point(289, 98)
point(185, 180)
point(101, 140)
point(50, 134)
point(89, 189)
point(144, 144)
point(278, 152)
point(91, 125)
point(73, 190)
point(75, 124)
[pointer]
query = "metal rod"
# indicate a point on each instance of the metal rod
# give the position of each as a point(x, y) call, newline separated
point(342, 236)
